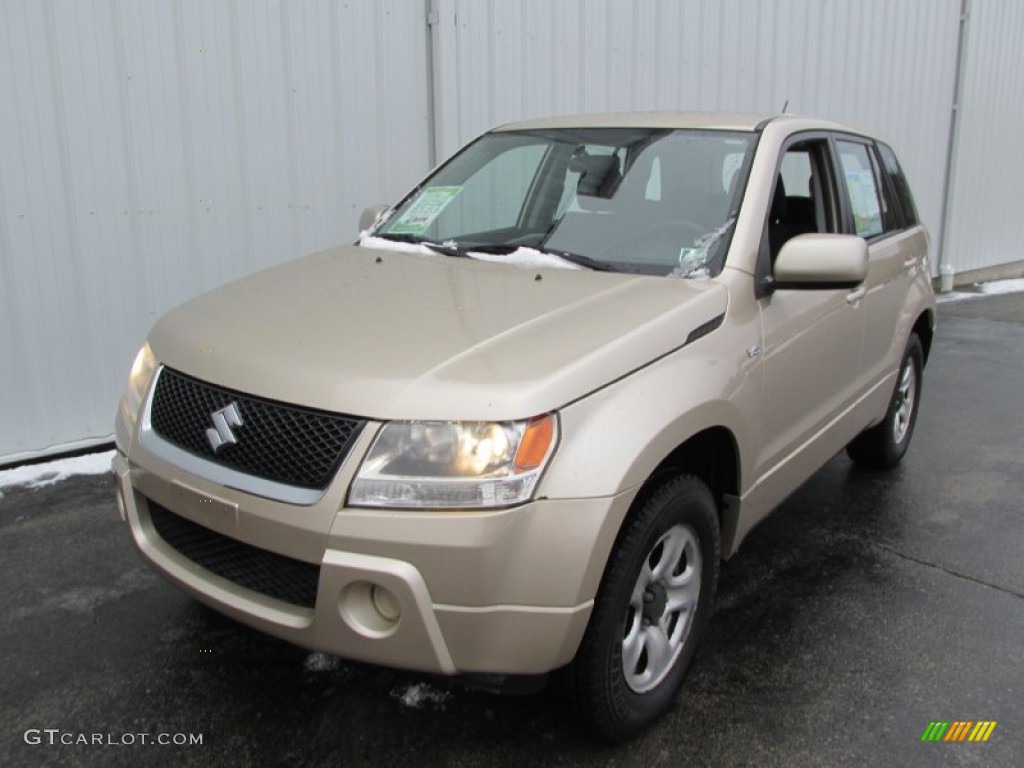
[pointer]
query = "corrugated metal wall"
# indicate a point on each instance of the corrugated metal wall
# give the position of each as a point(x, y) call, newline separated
point(988, 175)
point(150, 151)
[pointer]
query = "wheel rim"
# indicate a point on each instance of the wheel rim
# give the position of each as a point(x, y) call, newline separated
point(906, 394)
point(661, 608)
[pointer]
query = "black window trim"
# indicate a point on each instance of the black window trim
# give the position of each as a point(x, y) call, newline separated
point(908, 219)
point(885, 187)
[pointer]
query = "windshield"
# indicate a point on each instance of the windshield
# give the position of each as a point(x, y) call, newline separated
point(649, 201)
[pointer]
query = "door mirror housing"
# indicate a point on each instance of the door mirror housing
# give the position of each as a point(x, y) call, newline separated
point(370, 216)
point(821, 261)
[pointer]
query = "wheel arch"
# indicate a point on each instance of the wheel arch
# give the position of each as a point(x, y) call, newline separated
point(712, 455)
point(924, 327)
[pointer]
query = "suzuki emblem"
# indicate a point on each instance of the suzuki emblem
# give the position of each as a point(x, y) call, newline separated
point(223, 420)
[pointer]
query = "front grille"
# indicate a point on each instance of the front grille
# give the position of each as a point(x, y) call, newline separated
point(276, 441)
point(268, 573)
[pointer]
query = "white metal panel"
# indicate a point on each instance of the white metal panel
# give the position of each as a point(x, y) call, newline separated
point(885, 66)
point(150, 151)
point(988, 190)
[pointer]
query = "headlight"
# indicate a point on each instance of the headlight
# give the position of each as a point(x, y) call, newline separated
point(131, 402)
point(454, 465)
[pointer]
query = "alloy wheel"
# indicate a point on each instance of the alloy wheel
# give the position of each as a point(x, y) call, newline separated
point(661, 608)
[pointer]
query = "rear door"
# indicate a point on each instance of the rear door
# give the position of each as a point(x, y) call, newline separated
point(895, 252)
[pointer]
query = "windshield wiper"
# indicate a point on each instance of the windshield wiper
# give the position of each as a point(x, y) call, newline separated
point(451, 248)
point(399, 237)
point(578, 259)
point(575, 258)
point(446, 250)
point(442, 248)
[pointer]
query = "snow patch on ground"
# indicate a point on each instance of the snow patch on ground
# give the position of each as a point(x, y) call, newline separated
point(421, 696)
point(50, 472)
point(85, 599)
point(1004, 286)
point(1013, 285)
point(320, 662)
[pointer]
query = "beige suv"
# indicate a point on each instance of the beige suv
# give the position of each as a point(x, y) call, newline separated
point(515, 428)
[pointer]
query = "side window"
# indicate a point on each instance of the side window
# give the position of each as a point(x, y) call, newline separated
point(804, 199)
point(861, 187)
point(899, 185)
point(796, 173)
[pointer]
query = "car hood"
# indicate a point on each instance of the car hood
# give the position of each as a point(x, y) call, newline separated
point(387, 335)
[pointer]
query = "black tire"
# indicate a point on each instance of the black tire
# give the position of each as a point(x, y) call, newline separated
point(883, 445)
point(680, 514)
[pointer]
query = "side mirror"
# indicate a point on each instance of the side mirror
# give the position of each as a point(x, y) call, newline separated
point(371, 216)
point(821, 261)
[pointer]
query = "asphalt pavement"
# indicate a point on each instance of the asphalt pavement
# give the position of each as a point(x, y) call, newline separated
point(868, 606)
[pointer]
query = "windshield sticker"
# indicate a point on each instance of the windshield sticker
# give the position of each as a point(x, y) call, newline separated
point(424, 210)
point(689, 257)
point(693, 261)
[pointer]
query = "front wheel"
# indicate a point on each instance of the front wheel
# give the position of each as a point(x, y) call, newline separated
point(883, 446)
point(650, 611)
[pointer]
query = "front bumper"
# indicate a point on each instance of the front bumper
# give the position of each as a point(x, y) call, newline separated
point(505, 592)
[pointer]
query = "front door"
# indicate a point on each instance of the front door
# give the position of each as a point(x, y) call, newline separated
point(812, 338)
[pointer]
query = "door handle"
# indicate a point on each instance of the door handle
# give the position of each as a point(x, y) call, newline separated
point(856, 295)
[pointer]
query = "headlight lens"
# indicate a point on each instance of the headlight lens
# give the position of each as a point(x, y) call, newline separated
point(131, 402)
point(138, 378)
point(454, 464)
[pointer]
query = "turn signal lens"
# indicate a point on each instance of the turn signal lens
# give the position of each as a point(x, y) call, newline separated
point(535, 443)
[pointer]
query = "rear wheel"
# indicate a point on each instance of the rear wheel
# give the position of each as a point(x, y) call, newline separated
point(650, 611)
point(883, 446)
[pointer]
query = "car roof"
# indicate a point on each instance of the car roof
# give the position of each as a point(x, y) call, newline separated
point(735, 121)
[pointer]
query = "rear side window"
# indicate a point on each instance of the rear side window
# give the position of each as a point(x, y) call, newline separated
point(890, 211)
point(861, 187)
point(899, 184)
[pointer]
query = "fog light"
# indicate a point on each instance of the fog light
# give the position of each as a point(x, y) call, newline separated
point(385, 603)
point(370, 609)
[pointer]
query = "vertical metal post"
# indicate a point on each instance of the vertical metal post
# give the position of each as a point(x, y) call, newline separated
point(947, 270)
point(433, 18)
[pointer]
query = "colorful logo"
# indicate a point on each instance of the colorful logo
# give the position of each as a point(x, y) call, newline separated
point(959, 730)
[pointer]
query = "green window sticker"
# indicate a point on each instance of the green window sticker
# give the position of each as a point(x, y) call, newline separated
point(424, 210)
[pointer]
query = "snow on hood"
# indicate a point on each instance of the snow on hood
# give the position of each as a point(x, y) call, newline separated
point(527, 258)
